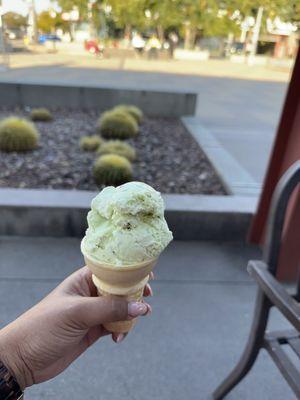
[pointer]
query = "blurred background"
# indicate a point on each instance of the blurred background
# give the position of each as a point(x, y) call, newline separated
point(241, 32)
point(235, 56)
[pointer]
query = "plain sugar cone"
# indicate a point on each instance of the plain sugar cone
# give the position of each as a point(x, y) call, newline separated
point(127, 281)
point(121, 326)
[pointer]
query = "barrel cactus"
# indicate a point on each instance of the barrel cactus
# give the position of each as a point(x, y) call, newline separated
point(41, 115)
point(117, 125)
point(118, 147)
point(111, 169)
point(17, 134)
point(90, 143)
point(134, 111)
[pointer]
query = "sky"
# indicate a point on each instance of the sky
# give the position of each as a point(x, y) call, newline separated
point(21, 6)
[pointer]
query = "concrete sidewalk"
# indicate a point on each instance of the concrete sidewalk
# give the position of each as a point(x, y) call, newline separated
point(243, 119)
point(236, 124)
point(274, 71)
point(203, 307)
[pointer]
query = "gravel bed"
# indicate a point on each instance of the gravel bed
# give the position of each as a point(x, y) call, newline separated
point(169, 159)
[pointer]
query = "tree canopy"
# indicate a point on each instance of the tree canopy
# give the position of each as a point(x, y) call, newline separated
point(189, 18)
point(48, 23)
point(13, 20)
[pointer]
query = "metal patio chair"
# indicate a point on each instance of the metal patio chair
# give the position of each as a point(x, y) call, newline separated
point(272, 294)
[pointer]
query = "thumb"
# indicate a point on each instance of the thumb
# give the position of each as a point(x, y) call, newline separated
point(93, 311)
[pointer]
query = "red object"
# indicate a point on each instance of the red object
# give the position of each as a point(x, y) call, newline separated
point(92, 46)
point(285, 152)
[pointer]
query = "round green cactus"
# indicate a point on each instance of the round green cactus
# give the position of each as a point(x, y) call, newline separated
point(17, 134)
point(112, 169)
point(134, 111)
point(117, 125)
point(90, 143)
point(41, 115)
point(118, 147)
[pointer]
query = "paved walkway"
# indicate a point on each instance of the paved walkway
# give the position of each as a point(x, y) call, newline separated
point(203, 306)
point(241, 116)
point(211, 67)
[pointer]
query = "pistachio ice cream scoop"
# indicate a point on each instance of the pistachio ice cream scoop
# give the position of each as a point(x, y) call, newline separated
point(126, 234)
point(126, 225)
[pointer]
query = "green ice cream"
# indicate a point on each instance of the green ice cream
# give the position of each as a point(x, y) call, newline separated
point(126, 225)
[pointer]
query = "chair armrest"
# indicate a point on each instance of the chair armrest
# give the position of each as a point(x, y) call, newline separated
point(275, 292)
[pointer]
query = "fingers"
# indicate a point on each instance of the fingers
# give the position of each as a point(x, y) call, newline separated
point(94, 334)
point(137, 309)
point(79, 283)
point(93, 311)
point(148, 291)
point(118, 337)
point(151, 276)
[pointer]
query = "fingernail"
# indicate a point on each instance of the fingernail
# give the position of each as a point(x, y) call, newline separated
point(135, 309)
point(120, 337)
point(150, 290)
point(149, 310)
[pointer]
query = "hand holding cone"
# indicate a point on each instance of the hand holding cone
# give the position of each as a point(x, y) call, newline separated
point(127, 281)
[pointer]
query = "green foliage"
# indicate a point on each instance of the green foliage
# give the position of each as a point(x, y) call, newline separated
point(117, 125)
point(134, 111)
point(111, 169)
point(17, 134)
point(47, 24)
point(291, 13)
point(272, 8)
point(190, 18)
point(128, 14)
point(68, 5)
point(118, 147)
point(90, 143)
point(41, 114)
point(288, 11)
point(163, 13)
point(83, 8)
point(12, 20)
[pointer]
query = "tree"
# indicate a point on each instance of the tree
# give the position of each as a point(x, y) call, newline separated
point(162, 16)
point(286, 10)
point(48, 23)
point(128, 14)
point(68, 5)
point(45, 22)
point(13, 20)
point(269, 9)
point(205, 18)
point(190, 18)
point(89, 10)
point(291, 13)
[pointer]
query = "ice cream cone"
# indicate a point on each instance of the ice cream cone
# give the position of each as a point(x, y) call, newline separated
point(127, 281)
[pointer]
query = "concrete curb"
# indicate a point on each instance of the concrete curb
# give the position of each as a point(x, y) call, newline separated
point(153, 103)
point(59, 213)
point(235, 178)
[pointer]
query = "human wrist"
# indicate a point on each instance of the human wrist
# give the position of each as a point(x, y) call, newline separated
point(11, 357)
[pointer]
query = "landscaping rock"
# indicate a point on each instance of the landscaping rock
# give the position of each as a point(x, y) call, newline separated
point(169, 159)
